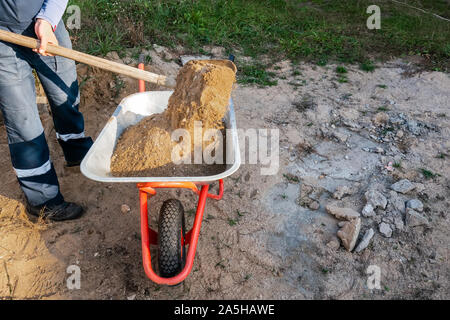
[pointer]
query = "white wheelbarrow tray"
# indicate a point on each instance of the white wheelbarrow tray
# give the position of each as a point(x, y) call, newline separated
point(132, 109)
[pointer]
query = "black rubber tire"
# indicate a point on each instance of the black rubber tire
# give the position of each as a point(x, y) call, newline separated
point(171, 254)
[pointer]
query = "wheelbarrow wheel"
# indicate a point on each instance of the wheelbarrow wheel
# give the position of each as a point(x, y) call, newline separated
point(172, 253)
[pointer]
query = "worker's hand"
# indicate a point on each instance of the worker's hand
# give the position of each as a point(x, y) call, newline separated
point(45, 34)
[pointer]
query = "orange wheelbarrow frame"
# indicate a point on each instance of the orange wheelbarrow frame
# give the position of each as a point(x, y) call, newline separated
point(150, 236)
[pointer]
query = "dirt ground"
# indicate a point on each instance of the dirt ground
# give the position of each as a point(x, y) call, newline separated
point(270, 236)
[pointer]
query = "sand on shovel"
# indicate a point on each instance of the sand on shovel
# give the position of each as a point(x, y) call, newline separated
point(202, 94)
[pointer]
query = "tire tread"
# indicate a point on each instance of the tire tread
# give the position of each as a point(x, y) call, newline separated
point(171, 223)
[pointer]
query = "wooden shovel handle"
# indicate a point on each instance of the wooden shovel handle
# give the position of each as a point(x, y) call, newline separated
point(88, 59)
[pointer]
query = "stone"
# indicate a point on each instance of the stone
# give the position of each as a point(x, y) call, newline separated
point(385, 229)
point(414, 219)
point(128, 60)
point(420, 187)
point(314, 205)
point(376, 150)
point(341, 192)
point(349, 233)
point(389, 219)
point(342, 137)
point(333, 244)
point(398, 222)
point(376, 199)
point(125, 208)
point(364, 243)
point(309, 197)
point(218, 51)
point(113, 55)
point(403, 186)
point(368, 210)
point(397, 202)
point(185, 59)
point(415, 204)
point(342, 213)
point(413, 127)
point(380, 118)
point(159, 49)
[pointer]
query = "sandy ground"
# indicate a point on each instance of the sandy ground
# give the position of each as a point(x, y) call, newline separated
point(264, 239)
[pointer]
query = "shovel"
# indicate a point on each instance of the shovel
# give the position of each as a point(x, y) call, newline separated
point(89, 59)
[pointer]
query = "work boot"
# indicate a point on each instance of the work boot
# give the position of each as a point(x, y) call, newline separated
point(60, 212)
point(70, 164)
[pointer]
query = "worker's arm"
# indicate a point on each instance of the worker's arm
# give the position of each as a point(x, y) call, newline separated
point(46, 22)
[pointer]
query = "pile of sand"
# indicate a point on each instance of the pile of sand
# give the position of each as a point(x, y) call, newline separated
point(202, 94)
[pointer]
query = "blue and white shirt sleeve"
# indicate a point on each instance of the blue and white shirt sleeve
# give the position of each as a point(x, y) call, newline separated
point(52, 11)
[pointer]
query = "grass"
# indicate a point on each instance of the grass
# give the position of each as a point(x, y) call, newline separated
point(239, 214)
point(428, 174)
point(119, 84)
point(341, 70)
point(220, 264)
point(367, 66)
point(320, 31)
point(256, 74)
point(291, 178)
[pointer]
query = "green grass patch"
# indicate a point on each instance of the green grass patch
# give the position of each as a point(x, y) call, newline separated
point(341, 70)
point(315, 30)
point(367, 66)
point(256, 74)
point(428, 174)
point(291, 178)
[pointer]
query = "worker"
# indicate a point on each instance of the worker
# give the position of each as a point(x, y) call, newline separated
point(28, 147)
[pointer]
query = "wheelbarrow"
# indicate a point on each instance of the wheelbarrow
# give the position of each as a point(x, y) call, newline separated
point(175, 260)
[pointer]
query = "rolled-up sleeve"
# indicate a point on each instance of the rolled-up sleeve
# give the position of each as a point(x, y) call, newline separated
point(52, 11)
